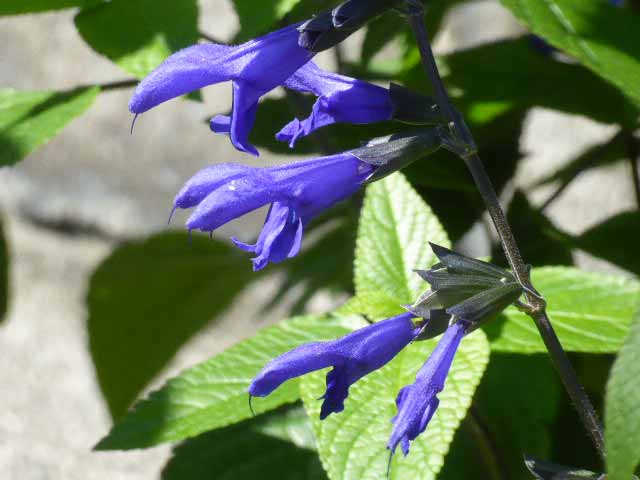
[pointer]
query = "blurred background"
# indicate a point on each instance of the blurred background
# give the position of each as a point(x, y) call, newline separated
point(68, 205)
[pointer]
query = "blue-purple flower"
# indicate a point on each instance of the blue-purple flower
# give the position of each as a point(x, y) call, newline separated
point(418, 402)
point(352, 357)
point(255, 67)
point(340, 99)
point(296, 191)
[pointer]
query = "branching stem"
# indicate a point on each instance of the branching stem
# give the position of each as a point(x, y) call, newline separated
point(119, 84)
point(535, 306)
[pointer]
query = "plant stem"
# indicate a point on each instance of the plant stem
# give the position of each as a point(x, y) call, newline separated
point(536, 304)
point(118, 84)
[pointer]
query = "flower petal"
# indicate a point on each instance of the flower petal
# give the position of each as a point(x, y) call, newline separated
point(418, 402)
point(303, 359)
point(233, 199)
point(341, 99)
point(352, 357)
point(336, 393)
point(296, 128)
point(205, 181)
point(220, 124)
point(183, 72)
point(245, 106)
point(280, 238)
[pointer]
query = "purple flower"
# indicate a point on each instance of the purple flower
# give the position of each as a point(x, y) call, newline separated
point(340, 99)
point(352, 357)
point(255, 67)
point(418, 402)
point(296, 191)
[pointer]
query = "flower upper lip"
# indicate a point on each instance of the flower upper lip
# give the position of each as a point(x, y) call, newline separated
point(250, 66)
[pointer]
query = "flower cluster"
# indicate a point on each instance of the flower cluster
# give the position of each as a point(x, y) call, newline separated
point(359, 353)
point(296, 192)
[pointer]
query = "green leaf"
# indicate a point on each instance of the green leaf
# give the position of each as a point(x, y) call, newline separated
point(148, 298)
point(4, 275)
point(28, 120)
point(257, 16)
point(615, 240)
point(391, 24)
point(377, 305)
point(603, 38)
point(590, 312)
point(395, 226)
point(139, 34)
point(622, 409)
point(520, 418)
point(473, 74)
point(15, 7)
point(213, 394)
point(352, 444)
point(379, 33)
point(267, 447)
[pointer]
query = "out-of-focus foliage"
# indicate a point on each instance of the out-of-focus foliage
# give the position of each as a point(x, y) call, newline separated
point(139, 34)
point(603, 38)
point(148, 299)
point(30, 119)
point(278, 446)
point(14, 7)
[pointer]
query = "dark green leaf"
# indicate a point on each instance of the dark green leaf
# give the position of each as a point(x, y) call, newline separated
point(590, 312)
point(615, 240)
point(267, 447)
point(466, 457)
point(380, 32)
point(30, 119)
point(604, 38)
point(391, 25)
point(488, 80)
point(214, 394)
point(139, 34)
point(4, 275)
point(622, 412)
point(14, 7)
point(272, 115)
point(520, 418)
point(259, 16)
point(148, 298)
